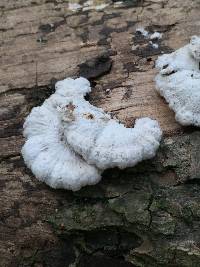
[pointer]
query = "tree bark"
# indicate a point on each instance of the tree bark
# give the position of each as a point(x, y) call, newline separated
point(148, 215)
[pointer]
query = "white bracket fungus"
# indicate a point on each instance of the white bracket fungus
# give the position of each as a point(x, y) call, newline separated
point(70, 142)
point(179, 81)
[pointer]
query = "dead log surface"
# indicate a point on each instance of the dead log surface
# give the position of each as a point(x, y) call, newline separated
point(144, 216)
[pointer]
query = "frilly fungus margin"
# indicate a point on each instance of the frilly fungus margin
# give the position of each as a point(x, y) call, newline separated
point(70, 142)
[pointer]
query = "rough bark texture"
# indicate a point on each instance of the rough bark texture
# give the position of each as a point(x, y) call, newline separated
point(144, 216)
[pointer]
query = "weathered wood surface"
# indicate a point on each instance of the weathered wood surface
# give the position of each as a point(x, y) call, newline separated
point(143, 215)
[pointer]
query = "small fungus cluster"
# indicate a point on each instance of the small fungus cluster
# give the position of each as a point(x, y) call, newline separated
point(178, 81)
point(70, 142)
point(153, 37)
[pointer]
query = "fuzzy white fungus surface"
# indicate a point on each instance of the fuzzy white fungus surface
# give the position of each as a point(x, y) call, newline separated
point(46, 151)
point(179, 82)
point(143, 31)
point(155, 35)
point(70, 142)
point(105, 142)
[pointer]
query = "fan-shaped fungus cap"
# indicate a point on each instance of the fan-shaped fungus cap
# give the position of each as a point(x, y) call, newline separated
point(179, 82)
point(70, 142)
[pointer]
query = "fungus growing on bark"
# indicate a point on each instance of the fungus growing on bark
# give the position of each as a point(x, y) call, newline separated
point(105, 142)
point(179, 82)
point(154, 37)
point(146, 34)
point(70, 142)
point(46, 151)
